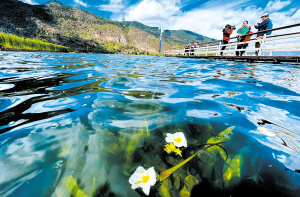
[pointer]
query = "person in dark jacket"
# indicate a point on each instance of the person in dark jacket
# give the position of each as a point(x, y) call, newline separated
point(227, 31)
point(261, 27)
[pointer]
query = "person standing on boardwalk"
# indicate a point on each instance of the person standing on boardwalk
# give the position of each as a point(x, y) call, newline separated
point(227, 31)
point(243, 30)
point(247, 38)
point(261, 26)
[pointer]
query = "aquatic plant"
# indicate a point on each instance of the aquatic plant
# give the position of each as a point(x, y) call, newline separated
point(72, 187)
point(143, 178)
point(171, 148)
point(178, 139)
point(166, 173)
point(221, 137)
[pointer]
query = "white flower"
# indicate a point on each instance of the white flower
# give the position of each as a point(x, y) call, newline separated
point(178, 139)
point(143, 178)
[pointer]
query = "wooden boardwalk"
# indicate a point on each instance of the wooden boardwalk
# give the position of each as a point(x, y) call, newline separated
point(272, 59)
point(269, 44)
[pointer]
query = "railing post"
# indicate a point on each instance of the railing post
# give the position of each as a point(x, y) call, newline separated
point(206, 50)
point(271, 52)
point(219, 49)
point(235, 48)
point(262, 44)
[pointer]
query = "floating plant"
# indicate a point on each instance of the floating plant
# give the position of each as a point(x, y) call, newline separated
point(171, 148)
point(178, 139)
point(143, 178)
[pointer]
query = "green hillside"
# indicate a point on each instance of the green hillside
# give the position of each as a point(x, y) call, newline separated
point(181, 37)
point(151, 30)
point(83, 31)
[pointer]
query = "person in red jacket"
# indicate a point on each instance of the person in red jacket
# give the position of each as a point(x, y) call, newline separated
point(247, 38)
point(227, 31)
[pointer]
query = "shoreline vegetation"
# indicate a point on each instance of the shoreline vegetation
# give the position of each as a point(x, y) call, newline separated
point(9, 42)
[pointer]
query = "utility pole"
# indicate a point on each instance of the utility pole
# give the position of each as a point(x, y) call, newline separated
point(161, 31)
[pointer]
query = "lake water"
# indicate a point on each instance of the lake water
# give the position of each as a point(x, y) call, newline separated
point(81, 124)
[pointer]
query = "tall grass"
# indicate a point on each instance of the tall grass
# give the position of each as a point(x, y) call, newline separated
point(10, 41)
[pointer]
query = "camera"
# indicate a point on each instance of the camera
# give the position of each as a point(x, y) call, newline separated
point(230, 27)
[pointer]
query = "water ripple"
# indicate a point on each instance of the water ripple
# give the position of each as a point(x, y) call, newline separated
point(91, 119)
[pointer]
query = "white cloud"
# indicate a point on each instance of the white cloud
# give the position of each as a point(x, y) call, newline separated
point(152, 12)
point(79, 2)
point(273, 6)
point(114, 6)
point(210, 18)
point(30, 2)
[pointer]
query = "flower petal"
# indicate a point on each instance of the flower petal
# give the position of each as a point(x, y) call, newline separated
point(137, 181)
point(136, 176)
point(135, 186)
point(146, 189)
point(171, 138)
point(183, 142)
point(152, 179)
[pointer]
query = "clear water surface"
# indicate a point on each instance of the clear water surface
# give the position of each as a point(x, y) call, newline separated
point(81, 124)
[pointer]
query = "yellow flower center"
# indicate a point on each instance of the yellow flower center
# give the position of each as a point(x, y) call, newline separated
point(145, 179)
point(178, 140)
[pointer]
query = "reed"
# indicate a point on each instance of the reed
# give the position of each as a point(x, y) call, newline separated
point(9, 41)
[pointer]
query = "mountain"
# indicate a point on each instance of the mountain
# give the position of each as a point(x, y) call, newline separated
point(83, 31)
point(181, 37)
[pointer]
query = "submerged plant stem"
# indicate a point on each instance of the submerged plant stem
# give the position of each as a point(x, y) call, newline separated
point(166, 173)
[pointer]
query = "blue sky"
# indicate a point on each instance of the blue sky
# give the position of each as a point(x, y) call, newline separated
point(205, 17)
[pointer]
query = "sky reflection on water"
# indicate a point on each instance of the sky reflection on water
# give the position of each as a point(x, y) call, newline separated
point(85, 122)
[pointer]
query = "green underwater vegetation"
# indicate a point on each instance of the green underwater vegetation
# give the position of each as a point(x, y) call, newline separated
point(152, 169)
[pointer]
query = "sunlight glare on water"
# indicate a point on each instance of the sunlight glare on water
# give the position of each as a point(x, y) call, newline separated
point(82, 124)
